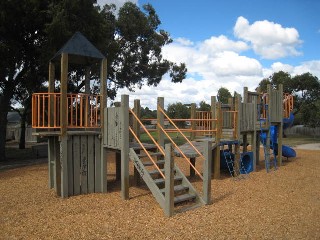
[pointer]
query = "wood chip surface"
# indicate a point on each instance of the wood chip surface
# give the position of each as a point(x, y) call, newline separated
point(282, 204)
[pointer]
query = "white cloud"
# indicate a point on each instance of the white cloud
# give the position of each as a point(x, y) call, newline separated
point(268, 39)
point(222, 43)
point(221, 62)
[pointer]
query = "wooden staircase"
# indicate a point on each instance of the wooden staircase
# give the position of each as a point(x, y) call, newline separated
point(183, 195)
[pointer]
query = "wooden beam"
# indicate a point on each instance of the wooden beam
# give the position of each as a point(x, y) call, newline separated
point(63, 91)
point(169, 181)
point(193, 123)
point(160, 121)
point(124, 121)
point(207, 166)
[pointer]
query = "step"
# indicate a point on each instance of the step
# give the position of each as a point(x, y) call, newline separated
point(151, 163)
point(155, 171)
point(177, 188)
point(161, 180)
point(184, 198)
point(152, 154)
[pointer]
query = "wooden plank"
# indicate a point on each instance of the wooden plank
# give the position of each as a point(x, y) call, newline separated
point(84, 164)
point(70, 167)
point(51, 161)
point(169, 181)
point(160, 121)
point(97, 165)
point(76, 165)
point(63, 90)
point(64, 166)
point(57, 166)
point(91, 149)
point(207, 165)
point(124, 146)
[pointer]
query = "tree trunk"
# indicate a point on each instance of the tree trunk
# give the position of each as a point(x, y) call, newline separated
point(22, 142)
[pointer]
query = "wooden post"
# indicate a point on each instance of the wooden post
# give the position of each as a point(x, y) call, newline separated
point(216, 159)
point(137, 111)
point(245, 95)
point(124, 121)
point(136, 129)
point(207, 166)
point(213, 114)
point(169, 181)
point(269, 102)
point(103, 119)
point(193, 123)
point(64, 124)
point(160, 121)
point(51, 144)
point(237, 132)
point(280, 126)
point(51, 90)
point(254, 144)
point(51, 161)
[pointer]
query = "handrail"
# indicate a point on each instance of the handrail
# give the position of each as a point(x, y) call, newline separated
point(140, 143)
point(82, 110)
point(177, 147)
point(146, 130)
point(162, 111)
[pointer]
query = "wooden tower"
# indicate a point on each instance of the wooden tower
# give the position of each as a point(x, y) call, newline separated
point(72, 122)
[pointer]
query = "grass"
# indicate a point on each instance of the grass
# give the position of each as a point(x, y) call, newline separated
point(298, 140)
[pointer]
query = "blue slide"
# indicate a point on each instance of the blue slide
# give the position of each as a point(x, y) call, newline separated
point(286, 150)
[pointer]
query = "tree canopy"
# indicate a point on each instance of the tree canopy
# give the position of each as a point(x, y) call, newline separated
point(31, 32)
point(223, 95)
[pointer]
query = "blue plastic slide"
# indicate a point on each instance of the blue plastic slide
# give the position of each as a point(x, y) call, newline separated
point(286, 150)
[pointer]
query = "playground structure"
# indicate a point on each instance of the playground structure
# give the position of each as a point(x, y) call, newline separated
point(81, 128)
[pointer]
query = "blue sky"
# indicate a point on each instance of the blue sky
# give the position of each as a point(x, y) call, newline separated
point(233, 43)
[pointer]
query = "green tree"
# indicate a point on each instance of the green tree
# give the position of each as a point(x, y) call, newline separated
point(31, 32)
point(203, 106)
point(223, 95)
point(178, 111)
point(22, 35)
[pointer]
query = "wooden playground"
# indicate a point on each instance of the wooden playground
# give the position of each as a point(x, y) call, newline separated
point(81, 129)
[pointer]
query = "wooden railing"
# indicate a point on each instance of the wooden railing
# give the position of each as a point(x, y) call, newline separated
point(82, 110)
point(287, 105)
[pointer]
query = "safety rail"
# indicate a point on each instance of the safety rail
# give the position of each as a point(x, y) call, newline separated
point(82, 110)
point(141, 144)
point(176, 146)
point(287, 105)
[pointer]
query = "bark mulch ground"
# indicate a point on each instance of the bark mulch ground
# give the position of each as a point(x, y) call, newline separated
point(282, 204)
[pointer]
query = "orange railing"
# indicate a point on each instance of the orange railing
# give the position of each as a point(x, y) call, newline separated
point(82, 110)
point(287, 105)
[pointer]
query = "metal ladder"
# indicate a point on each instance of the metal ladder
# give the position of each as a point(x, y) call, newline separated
point(236, 174)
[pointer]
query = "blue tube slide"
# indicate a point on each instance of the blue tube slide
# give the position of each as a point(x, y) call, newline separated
point(286, 150)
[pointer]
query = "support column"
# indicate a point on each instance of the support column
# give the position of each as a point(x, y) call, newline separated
point(160, 121)
point(124, 147)
point(169, 181)
point(103, 120)
point(193, 123)
point(216, 159)
point(64, 124)
point(136, 130)
point(207, 165)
